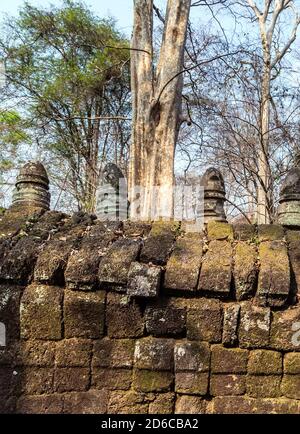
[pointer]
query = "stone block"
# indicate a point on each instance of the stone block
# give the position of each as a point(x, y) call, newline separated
point(270, 232)
point(228, 361)
point(263, 386)
point(73, 353)
point(129, 402)
point(204, 320)
point(216, 269)
point(187, 404)
point(292, 363)
point(274, 274)
point(36, 380)
point(230, 324)
point(191, 356)
point(71, 379)
point(285, 330)
point(244, 232)
point(290, 386)
point(114, 266)
point(162, 404)
point(154, 354)
point(152, 381)
point(245, 270)
point(219, 231)
point(265, 362)
point(35, 353)
point(44, 404)
point(254, 329)
point(183, 267)
point(158, 245)
point(111, 379)
point(84, 314)
point(10, 296)
point(245, 405)
point(91, 402)
point(114, 353)
point(164, 319)
point(124, 318)
point(223, 385)
point(143, 280)
point(194, 383)
point(41, 312)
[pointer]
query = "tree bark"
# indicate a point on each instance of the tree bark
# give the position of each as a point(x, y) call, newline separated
point(156, 98)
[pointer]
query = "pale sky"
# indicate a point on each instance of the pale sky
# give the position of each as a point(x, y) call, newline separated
point(119, 9)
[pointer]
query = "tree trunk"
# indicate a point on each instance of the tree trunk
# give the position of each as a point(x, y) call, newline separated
point(263, 211)
point(156, 97)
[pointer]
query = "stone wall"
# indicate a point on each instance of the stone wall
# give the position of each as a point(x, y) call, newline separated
point(140, 318)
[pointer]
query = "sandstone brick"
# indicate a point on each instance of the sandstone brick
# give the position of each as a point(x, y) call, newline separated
point(191, 356)
point(143, 280)
point(270, 232)
point(216, 269)
point(204, 320)
point(44, 404)
point(219, 231)
point(10, 311)
point(154, 353)
point(162, 404)
point(35, 353)
point(194, 383)
point(36, 380)
point(134, 229)
point(285, 330)
point(183, 267)
point(114, 353)
point(244, 232)
point(263, 386)
point(152, 381)
point(274, 274)
point(41, 312)
point(124, 318)
point(245, 405)
point(228, 361)
point(129, 402)
point(290, 386)
point(111, 379)
point(73, 353)
point(159, 243)
point(230, 324)
point(91, 402)
point(245, 270)
point(223, 385)
point(292, 363)
point(51, 262)
point(165, 319)
point(254, 329)
point(265, 362)
point(186, 404)
point(84, 314)
point(114, 266)
point(71, 379)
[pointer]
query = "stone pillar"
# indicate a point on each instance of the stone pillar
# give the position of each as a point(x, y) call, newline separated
point(214, 196)
point(288, 213)
point(32, 188)
point(112, 201)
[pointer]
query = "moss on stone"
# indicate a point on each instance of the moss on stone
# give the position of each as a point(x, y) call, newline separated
point(219, 231)
point(152, 381)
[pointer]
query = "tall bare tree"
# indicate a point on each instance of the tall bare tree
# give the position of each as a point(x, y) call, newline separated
point(156, 96)
point(268, 14)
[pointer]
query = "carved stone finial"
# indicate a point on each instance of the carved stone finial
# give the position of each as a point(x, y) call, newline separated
point(289, 199)
point(214, 196)
point(32, 187)
point(112, 201)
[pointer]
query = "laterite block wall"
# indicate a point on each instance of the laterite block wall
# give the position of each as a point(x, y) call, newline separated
point(140, 318)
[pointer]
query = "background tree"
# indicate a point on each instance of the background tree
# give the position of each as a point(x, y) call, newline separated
point(69, 70)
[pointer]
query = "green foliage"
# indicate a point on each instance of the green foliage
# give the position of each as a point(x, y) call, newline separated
point(70, 68)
